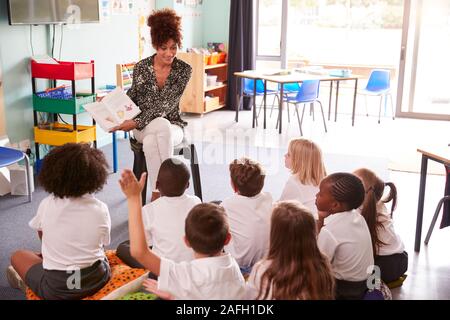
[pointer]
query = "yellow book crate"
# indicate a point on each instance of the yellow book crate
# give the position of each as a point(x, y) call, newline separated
point(59, 134)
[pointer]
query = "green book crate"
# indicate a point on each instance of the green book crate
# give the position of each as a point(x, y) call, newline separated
point(70, 106)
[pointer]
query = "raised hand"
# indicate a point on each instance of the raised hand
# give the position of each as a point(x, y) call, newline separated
point(129, 184)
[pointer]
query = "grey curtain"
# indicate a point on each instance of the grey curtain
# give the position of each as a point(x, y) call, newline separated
point(241, 52)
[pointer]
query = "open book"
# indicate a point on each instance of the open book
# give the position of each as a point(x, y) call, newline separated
point(115, 108)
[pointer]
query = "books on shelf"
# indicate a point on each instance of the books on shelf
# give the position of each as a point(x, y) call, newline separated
point(115, 108)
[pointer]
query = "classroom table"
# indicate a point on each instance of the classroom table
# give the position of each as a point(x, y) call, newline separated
point(438, 155)
point(293, 77)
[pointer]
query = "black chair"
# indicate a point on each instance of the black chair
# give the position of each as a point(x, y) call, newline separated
point(187, 150)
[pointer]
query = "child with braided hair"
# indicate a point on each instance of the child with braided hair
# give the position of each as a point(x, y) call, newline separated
point(345, 239)
point(388, 249)
point(248, 212)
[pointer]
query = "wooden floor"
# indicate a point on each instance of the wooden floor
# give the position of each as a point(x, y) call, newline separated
point(396, 140)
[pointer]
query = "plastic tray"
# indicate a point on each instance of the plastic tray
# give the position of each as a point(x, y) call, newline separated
point(64, 106)
point(64, 70)
point(58, 136)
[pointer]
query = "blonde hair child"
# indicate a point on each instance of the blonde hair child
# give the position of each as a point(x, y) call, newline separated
point(304, 160)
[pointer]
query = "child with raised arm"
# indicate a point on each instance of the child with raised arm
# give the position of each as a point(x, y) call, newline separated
point(294, 269)
point(388, 248)
point(211, 275)
point(164, 218)
point(248, 212)
point(74, 226)
point(345, 239)
point(304, 160)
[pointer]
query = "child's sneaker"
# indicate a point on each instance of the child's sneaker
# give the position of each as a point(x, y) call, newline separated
point(14, 280)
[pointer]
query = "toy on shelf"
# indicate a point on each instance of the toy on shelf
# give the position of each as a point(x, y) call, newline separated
point(124, 75)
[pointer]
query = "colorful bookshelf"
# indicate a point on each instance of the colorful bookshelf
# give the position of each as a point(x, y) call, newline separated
point(124, 75)
point(62, 100)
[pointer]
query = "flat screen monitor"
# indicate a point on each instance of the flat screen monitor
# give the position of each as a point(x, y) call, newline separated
point(53, 11)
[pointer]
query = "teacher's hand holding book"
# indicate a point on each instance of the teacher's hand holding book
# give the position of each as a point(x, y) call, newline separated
point(126, 126)
point(114, 112)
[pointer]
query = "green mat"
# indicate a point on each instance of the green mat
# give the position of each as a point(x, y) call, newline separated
point(139, 296)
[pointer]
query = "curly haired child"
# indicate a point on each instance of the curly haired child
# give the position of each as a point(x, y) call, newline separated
point(74, 227)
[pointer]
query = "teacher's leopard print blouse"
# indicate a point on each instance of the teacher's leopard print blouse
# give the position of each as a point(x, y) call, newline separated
point(155, 102)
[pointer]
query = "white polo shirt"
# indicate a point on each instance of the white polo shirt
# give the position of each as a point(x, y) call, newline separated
point(393, 242)
point(249, 220)
point(213, 278)
point(164, 221)
point(305, 194)
point(253, 284)
point(74, 231)
point(345, 240)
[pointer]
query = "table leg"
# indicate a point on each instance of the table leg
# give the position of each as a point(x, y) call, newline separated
point(280, 113)
point(329, 102)
point(114, 141)
point(237, 100)
point(354, 102)
point(254, 104)
point(265, 100)
point(337, 98)
point(423, 180)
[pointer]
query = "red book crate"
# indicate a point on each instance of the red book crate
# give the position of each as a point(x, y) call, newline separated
point(64, 70)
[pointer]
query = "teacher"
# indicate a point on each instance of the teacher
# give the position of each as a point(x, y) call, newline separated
point(158, 83)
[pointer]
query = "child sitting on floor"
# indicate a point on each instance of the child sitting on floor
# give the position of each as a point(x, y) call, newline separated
point(73, 225)
point(164, 218)
point(304, 159)
point(388, 249)
point(211, 275)
point(248, 212)
point(345, 239)
point(294, 269)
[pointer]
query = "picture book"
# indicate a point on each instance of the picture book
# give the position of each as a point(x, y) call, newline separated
point(113, 109)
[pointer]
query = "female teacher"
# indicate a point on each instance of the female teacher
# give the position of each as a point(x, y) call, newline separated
point(158, 83)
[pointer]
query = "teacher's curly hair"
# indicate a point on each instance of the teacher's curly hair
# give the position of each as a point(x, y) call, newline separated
point(164, 25)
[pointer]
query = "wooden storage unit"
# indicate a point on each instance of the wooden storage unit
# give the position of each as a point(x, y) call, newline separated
point(193, 99)
point(56, 133)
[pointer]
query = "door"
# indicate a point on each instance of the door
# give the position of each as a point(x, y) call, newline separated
point(423, 89)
